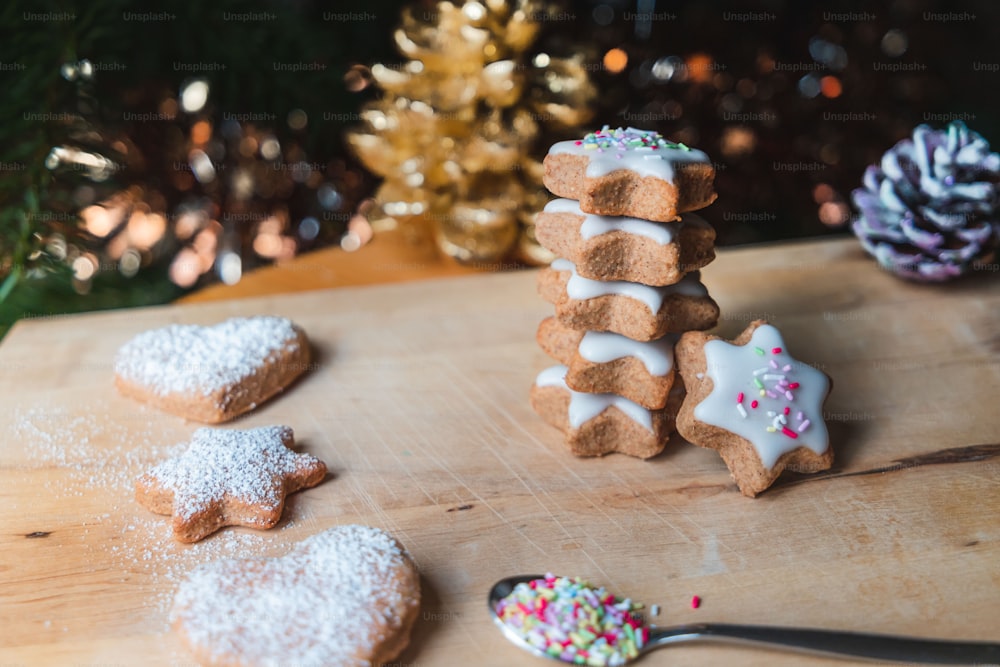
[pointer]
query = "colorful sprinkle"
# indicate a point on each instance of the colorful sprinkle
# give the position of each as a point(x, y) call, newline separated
point(571, 620)
point(793, 385)
point(754, 403)
point(761, 370)
point(742, 410)
point(758, 383)
point(695, 601)
point(787, 410)
point(739, 397)
point(804, 425)
point(789, 432)
point(775, 350)
point(628, 139)
point(759, 350)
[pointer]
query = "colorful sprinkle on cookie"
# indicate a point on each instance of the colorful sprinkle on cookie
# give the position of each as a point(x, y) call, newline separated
point(627, 139)
point(630, 172)
point(761, 409)
point(573, 621)
point(787, 392)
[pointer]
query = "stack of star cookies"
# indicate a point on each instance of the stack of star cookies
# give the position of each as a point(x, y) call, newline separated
point(626, 284)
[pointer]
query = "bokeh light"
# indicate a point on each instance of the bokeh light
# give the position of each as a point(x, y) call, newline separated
point(194, 95)
point(830, 87)
point(699, 67)
point(894, 43)
point(615, 60)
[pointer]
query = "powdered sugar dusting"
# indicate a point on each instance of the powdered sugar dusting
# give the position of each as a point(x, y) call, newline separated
point(248, 466)
point(186, 359)
point(100, 458)
point(92, 452)
point(328, 602)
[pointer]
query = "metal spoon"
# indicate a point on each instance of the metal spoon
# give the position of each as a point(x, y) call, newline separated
point(805, 640)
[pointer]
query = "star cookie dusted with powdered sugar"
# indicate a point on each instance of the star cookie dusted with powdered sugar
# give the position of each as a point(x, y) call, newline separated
point(228, 478)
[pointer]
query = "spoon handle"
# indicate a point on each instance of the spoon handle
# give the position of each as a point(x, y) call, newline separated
point(854, 644)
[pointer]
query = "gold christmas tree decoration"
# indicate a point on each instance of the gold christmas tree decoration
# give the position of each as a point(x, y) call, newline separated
point(456, 132)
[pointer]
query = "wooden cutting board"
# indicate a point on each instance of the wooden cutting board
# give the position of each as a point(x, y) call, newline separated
point(418, 403)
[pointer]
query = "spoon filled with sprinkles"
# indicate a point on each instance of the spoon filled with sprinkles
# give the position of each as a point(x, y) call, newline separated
point(568, 619)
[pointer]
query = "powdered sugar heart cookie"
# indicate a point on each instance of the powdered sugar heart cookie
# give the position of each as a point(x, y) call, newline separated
point(212, 374)
point(347, 596)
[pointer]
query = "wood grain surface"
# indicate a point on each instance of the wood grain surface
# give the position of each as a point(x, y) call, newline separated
point(418, 404)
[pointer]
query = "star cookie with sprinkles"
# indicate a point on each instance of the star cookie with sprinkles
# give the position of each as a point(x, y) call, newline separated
point(228, 478)
point(751, 401)
point(630, 172)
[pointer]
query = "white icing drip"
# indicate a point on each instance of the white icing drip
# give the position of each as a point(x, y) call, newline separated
point(579, 287)
point(584, 407)
point(731, 369)
point(656, 355)
point(595, 225)
point(644, 161)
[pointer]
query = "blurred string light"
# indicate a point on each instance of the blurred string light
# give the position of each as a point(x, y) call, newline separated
point(270, 149)
point(615, 60)
point(130, 262)
point(833, 209)
point(359, 230)
point(809, 85)
point(230, 267)
point(201, 166)
point(97, 167)
point(82, 69)
point(830, 86)
point(308, 228)
point(700, 67)
point(894, 43)
point(194, 95)
point(297, 119)
point(829, 54)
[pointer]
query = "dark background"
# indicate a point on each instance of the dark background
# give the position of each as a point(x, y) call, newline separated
point(792, 100)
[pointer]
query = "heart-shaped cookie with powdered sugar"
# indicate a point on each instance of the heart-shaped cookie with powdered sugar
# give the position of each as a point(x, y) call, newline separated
point(347, 596)
point(212, 374)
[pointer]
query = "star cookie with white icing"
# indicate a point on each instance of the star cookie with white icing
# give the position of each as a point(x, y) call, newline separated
point(228, 478)
point(630, 172)
point(617, 248)
point(751, 401)
point(600, 362)
point(640, 312)
point(599, 424)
